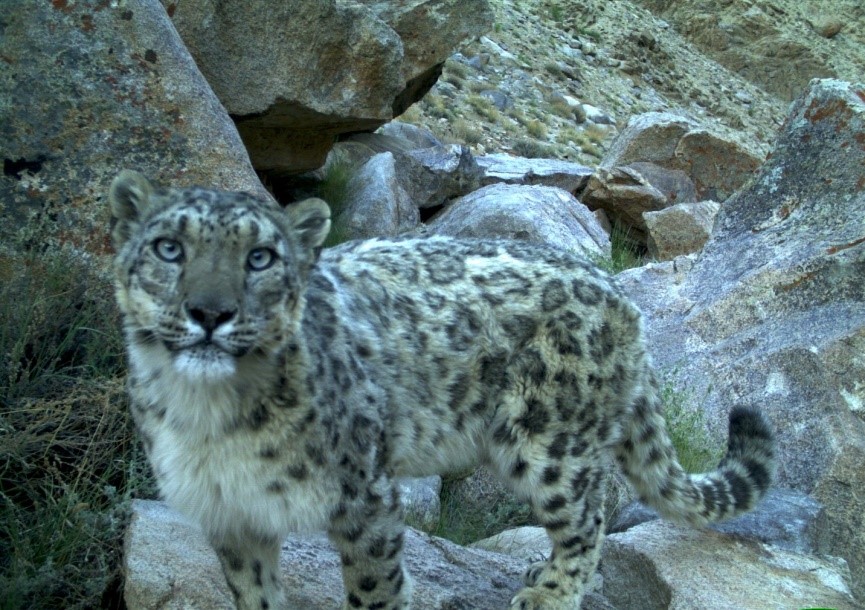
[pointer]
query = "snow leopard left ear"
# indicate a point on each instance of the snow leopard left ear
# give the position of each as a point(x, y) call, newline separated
point(310, 220)
point(129, 196)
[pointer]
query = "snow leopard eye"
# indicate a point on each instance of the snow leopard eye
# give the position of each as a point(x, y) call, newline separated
point(168, 250)
point(260, 259)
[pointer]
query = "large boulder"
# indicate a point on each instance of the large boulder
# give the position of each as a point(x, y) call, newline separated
point(772, 313)
point(716, 165)
point(428, 171)
point(541, 214)
point(501, 167)
point(88, 89)
point(430, 30)
point(377, 204)
point(294, 75)
point(680, 229)
point(660, 566)
point(624, 195)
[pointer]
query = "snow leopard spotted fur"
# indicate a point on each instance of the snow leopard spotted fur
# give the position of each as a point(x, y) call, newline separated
point(280, 387)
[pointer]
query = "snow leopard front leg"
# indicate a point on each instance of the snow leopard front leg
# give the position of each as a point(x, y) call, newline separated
point(251, 567)
point(368, 531)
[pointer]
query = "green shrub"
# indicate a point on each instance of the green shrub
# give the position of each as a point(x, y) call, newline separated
point(562, 109)
point(590, 149)
point(557, 13)
point(456, 69)
point(532, 149)
point(462, 526)
point(553, 69)
point(58, 323)
point(596, 134)
point(696, 449)
point(435, 106)
point(625, 251)
point(536, 129)
point(568, 135)
point(484, 107)
point(589, 33)
point(455, 80)
point(465, 132)
point(412, 115)
point(333, 188)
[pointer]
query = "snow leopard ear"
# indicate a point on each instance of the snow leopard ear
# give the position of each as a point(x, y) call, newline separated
point(310, 220)
point(129, 196)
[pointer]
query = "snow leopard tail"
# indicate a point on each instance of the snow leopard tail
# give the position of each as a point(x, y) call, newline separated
point(740, 481)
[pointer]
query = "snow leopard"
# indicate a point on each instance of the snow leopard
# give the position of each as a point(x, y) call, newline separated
point(280, 386)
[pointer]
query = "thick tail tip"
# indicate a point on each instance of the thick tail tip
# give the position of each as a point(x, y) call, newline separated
point(749, 423)
point(752, 445)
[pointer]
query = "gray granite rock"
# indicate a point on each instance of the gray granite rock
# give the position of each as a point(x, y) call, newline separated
point(772, 312)
point(294, 84)
point(534, 213)
point(660, 566)
point(168, 564)
point(87, 92)
point(377, 205)
point(508, 169)
point(680, 229)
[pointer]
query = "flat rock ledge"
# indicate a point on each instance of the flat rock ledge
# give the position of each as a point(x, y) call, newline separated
point(169, 564)
point(653, 566)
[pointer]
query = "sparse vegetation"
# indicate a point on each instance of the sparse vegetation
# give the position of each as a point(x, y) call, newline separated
point(333, 188)
point(69, 461)
point(484, 107)
point(465, 132)
point(536, 129)
point(434, 106)
point(561, 108)
point(695, 447)
point(461, 526)
point(567, 135)
point(455, 68)
point(557, 13)
point(625, 251)
point(479, 86)
point(455, 80)
point(553, 68)
point(413, 114)
point(590, 149)
point(533, 149)
point(589, 33)
point(595, 134)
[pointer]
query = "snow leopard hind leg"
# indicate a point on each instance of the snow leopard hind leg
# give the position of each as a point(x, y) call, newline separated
point(558, 431)
point(553, 446)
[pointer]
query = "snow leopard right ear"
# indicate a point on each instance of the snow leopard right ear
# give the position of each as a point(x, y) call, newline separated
point(310, 220)
point(129, 196)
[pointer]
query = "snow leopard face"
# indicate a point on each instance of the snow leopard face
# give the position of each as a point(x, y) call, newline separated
point(205, 282)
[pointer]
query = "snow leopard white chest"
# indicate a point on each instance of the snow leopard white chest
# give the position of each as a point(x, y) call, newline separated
point(232, 483)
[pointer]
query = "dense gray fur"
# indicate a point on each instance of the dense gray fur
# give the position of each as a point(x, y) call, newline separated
point(278, 388)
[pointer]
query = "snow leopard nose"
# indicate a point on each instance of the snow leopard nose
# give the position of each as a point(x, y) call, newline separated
point(210, 317)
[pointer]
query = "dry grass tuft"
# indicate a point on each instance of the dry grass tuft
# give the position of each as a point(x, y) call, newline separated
point(69, 461)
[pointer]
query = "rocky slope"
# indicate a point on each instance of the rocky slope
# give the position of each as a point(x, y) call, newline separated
point(557, 78)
